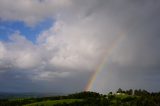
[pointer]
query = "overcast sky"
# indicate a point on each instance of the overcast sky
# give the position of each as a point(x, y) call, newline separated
point(56, 45)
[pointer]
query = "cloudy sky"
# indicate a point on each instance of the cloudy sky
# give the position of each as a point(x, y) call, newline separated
point(56, 45)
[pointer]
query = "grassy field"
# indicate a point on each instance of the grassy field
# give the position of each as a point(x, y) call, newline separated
point(53, 102)
point(124, 96)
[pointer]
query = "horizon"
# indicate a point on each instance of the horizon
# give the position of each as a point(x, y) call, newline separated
point(71, 45)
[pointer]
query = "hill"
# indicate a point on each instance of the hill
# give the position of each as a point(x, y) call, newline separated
point(120, 98)
point(13, 95)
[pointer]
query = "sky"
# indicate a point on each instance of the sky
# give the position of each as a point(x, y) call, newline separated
point(57, 45)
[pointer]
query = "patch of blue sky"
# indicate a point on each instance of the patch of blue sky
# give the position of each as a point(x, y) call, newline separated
point(7, 28)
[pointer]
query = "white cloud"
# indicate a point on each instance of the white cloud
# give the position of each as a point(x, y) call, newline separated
point(65, 46)
point(74, 45)
point(19, 53)
point(30, 11)
point(2, 51)
point(49, 75)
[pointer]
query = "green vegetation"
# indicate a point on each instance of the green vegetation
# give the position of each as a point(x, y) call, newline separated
point(120, 98)
point(54, 102)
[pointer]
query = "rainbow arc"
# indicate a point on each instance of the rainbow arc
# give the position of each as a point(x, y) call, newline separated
point(107, 53)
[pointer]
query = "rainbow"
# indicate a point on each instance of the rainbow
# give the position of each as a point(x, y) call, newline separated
point(107, 53)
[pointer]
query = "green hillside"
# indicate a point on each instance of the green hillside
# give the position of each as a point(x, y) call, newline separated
point(54, 102)
point(119, 98)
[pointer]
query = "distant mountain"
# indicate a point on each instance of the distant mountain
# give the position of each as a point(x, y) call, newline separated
point(7, 95)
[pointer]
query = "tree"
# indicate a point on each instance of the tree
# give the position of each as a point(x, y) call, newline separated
point(120, 90)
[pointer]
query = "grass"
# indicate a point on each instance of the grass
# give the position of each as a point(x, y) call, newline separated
point(53, 102)
point(122, 97)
